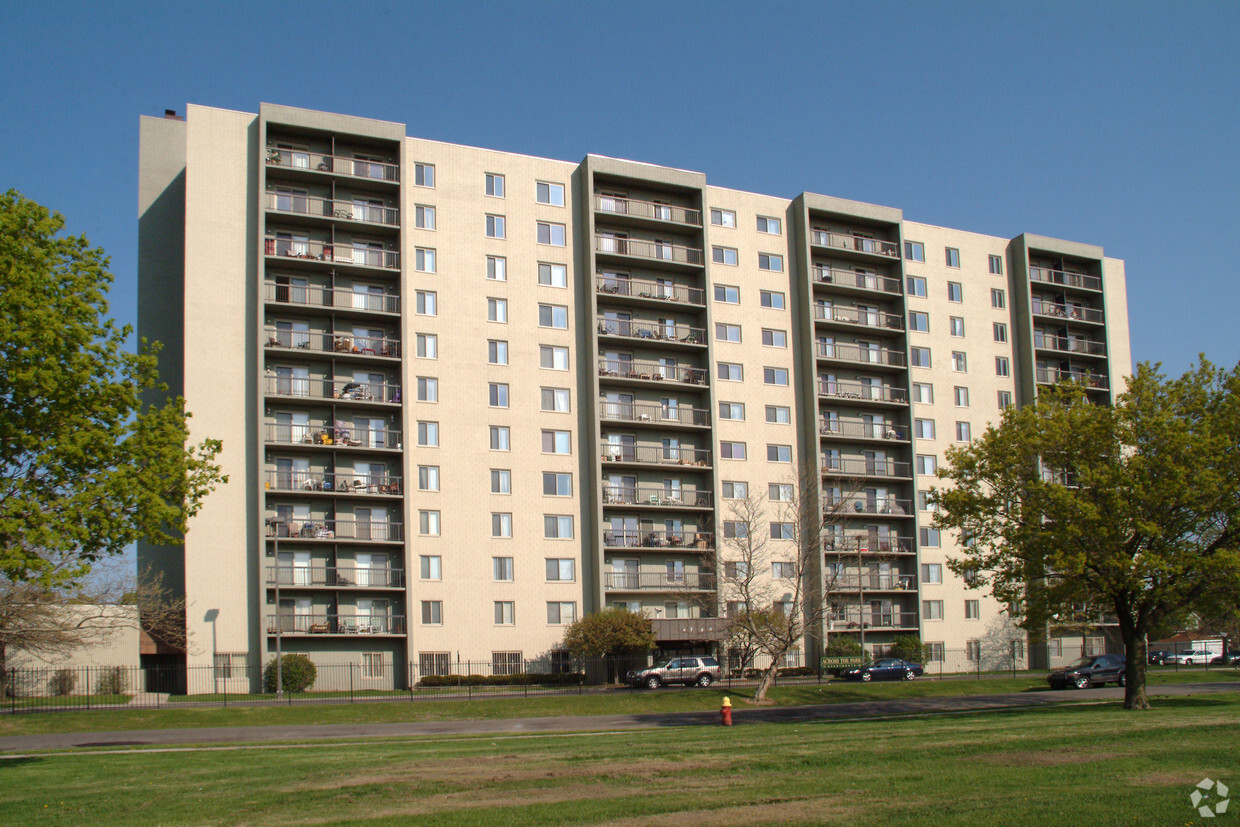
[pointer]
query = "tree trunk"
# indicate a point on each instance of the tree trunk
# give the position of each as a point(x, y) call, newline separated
point(768, 678)
point(1134, 670)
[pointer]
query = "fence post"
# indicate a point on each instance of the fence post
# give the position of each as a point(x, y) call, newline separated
point(88, 685)
point(979, 660)
point(350, 683)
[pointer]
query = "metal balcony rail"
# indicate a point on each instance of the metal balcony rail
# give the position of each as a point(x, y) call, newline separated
point(342, 435)
point(647, 209)
point(846, 621)
point(1066, 311)
point(1051, 376)
point(295, 624)
point(1067, 344)
point(656, 495)
point(853, 315)
point(861, 244)
point(862, 467)
point(654, 454)
point(342, 482)
point(337, 164)
point(873, 582)
point(338, 297)
point(337, 253)
point(359, 577)
point(688, 581)
point(338, 528)
point(851, 278)
point(321, 341)
point(860, 429)
point(845, 352)
point(654, 250)
point(843, 545)
point(696, 540)
point(655, 331)
point(653, 412)
point(635, 369)
point(646, 289)
point(838, 389)
point(1065, 278)
point(328, 208)
point(844, 506)
point(343, 390)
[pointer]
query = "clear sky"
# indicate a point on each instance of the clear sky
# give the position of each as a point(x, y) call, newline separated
point(1112, 123)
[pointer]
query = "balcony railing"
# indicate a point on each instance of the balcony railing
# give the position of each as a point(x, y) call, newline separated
point(688, 581)
point(838, 546)
point(837, 389)
point(336, 576)
point(657, 371)
point(647, 209)
point(654, 454)
point(329, 208)
point(695, 540)
point(339, 482)
point(853, 315)
point(851, 278)
point(653, 250)
point(873, 619)
point(342, 435)
point(1065, 344)
point(653, 412)
point(337, 253)
point(862, 467)
point(338, 528)
point(847, 506)
point(654, 331)
point(843, 352)
point(1046, 275)
point(338, 298)
point(1067, 311)
point(343, 390)
point(646, 289)
point(1094, 381)
point(657, 496)
point(873, 582)
point(337, 164)
point(320, 341)
point(860, 244)
point(860, 429)
point(295, 624)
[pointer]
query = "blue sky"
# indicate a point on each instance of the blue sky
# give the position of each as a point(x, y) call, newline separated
point(1109, 123)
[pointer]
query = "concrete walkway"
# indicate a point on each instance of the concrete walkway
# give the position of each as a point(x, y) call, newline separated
point(584, 723)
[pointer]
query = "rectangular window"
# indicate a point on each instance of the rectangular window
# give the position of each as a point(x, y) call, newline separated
point(775, 376)
point(501, 525)
point(997, 299)
point(426, 345)
point(964, 432)
point(1004, 399)
point(1001, 366)
point(919, 321)
point(733, 490)
point(783, 570)
point(973, 650)
point(768, 225)
point(499, 437)
point(914, 251)
point(558, 526)
point(778, 453)
point(428, 389)
point(919, 357)
point(932, 610)
point(774, 338)
point(561, 570)
point(553, 275)
point(782, 531)
point(730, 372)
point(553, 315)
point(732, 450)
point(916, 286)
point(957, 326)
point(497, 268)
point(428, 523)
point(996, 265)
point(557, 442)
point(929, 537)
point(495, 226)
point(953, 257)
point(506, 663)
point(1000, 332)
point(735, 530)
point(723, 218)
point(430, 566)
point(972, 610)
point(432, 612)
point(770, 261)
point(550, 194)
point(960, 396)
point(936, 652)
point(555, 400)
point(428, 477)
point(497, 394)
point(955, 292)
point(732, 410)
point(561, 614)
point(504, 611)
point(771, 299)
point(553, 358)
point(923, 393)
point(424, 260)
point(779, 492)
point(923, 428)
point(424, 217)
point(501, 569)
point(931, 573)
point(428, 434)
point(927, 464)
point(501, 481)
point(778, 414)
point(497, 310)
point(727, 332)
point(497, 352)
point(925, 502)
point(552, 234)
point(727, 294)
point(960, 363)
point(426, 303)
point(495, 185)
point(723, 255)
point(556, 484)
point(424, 175)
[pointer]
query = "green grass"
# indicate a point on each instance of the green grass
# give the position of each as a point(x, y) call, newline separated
point(1076, 764)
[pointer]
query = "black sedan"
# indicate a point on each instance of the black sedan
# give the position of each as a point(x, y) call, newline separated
point(1159, 657)
point(1092, 670)
point(884, 669)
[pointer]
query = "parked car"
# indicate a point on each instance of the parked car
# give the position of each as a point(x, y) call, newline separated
point(702, 671)
point(1232, 657)
point(884, 669)
point(1092, 670)
point(1191, 656)
point(1159, 657)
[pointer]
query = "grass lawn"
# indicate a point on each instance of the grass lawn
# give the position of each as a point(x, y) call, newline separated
point(1077, 764)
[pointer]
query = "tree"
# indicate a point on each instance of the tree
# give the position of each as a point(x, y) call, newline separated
point(1134, 509)
point(297, 673)
point(612, 632)
point(87, 467)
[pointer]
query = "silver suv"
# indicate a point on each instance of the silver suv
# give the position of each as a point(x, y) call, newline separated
point(702, 671)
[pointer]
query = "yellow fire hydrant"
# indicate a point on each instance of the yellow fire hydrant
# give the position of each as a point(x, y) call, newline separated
point(726, 712)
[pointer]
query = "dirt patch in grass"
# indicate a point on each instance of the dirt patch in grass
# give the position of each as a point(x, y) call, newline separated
point(1183, 779)
point(818, 809)
point(1046, 758)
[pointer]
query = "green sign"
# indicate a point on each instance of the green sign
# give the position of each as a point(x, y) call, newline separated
point(841, 661)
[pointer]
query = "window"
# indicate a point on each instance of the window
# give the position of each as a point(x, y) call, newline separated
point(931, 573)
point(557, 442)
point(929, 537)
point(497, 310)
point(497, 268)
point(996, 299)
point(497, 394)
point(497, 352)
point(553, 315)
point(372, 665)
point(733, 490)
point(723, 255)
point(735, 530)
point(735, 608)
point(919, 357)
point(923, 428)
point(731, 450)
point(432, 612)
point(972, 610)
point(1001, 366)
point(428, 389)
point(424, 175)
point(501, 569)
point(916, 286)
point(424, 260)
point(727, 332)
point(559, 614)
point(923, 393)
point(557, 484)
point(783, 571)
point(771, 299)
point(428, 477)
point(553, 358)
point(549, 194)
point(932, 610)
point(430, 566)
point(499, 438)
point(504, 613)
point(555, 400)
point(927, 464)
point(964, 432)
point(996, 265)
point(957, 326)
point(501, 481)
point(552, 234)
point(961, 396)
point(782, 531)
point(779, 492)
point(936, 652)
point(778, 414)
point(1005, 399)
point(918, 321)
point(768, 225)
point(778, 453)
point(553, 275)
point(723, 218)
point(426, 345)
point(1000, 332)
point(434, 663)
point(424, 217)
point(426, 303)
point(727, 294)
point(774, 338)
point(428, 434)
point(428, 523)
point(955, 293)
point(770, 261)
point(730, 372)
point(495, 185)
point(495, 226)
point(914, 251)
point(973, 650)
point(561, 570)
point(960, 363)
point(953, 257)
point(925, 502)
point(558, 526)
point(775, 376)
point(501, 525)
point(732, 410)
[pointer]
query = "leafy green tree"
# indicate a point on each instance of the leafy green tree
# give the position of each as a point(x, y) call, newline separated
point(616, 631)
point(908, 647)
point(297, 672)
point(1132, 509)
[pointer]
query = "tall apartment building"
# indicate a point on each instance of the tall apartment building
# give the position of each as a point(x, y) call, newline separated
point(466, 396)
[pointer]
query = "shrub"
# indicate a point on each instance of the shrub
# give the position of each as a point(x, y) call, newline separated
point(111, 680)
point(297, 673)
point(908, 647)
point(62, 682)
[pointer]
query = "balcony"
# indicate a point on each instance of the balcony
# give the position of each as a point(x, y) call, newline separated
point(315, 207)
point(693, 540)
point(874, 619)
point(659, 581)
point(856, 317)
point(860, 429)
point(1074, 313)
point(1067, 344)
point(653, 332)
point(333, 164)
point(302, 250)
point(331, 298)
point(340, 344)
point(853, 281)
point(854, 243)
point(336, 577)
point(657, 291)
point(295, 624)
point(651, 371)
point(654, 414)
point(337, 528)
point(841, 546)
point(341, 436)
point(340, 482)
point(1091, 381)
point(656, 496)
point(873, 582)
point(337, 390)
point(661, 251)
point(861, 355)
point(862, 467)
point(847, 506)
point(654, 455)
point(846, 391)
point(648, 210)
point(1064, 278)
